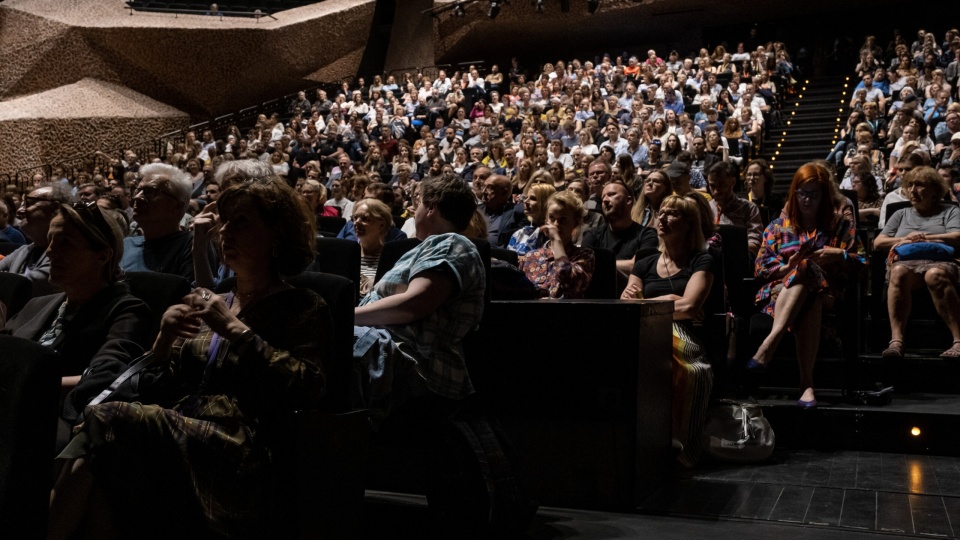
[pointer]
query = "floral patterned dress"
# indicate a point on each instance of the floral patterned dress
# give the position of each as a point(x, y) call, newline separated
point(566, 277)
point(781, 239)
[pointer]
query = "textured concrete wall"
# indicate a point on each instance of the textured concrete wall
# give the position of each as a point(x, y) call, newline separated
point(203, 65)
point(87, 75)
point(79, 118)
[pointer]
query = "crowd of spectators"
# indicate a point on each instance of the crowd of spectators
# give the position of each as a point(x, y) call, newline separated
point(904, 103)
point(645, 157)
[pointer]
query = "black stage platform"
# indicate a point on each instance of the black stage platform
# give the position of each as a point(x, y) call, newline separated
point(798, 494)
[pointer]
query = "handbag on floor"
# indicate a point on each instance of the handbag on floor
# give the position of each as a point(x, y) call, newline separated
point(737, 432)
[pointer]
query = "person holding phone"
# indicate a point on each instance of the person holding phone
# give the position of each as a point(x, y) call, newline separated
point(803, 260)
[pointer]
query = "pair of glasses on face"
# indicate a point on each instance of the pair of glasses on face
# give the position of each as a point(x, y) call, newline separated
point(32, 201)
point(808, 194)
point(152, 192)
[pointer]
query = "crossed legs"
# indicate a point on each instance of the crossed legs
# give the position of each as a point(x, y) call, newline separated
point(798, 310)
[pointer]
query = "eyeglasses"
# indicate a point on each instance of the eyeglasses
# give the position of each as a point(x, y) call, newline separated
point(363, 218)
point(152, 192)
point(808, 194)
point(31, 201)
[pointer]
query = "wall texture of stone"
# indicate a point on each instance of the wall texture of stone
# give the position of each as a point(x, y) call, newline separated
point(53, 53)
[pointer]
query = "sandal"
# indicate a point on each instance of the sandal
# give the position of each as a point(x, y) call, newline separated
point(953, 352)
point(895, 350)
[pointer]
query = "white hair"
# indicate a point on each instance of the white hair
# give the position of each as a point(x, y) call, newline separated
point(180, 183)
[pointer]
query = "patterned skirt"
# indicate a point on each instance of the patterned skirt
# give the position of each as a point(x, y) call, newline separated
point(692, 384)
point(175, 471)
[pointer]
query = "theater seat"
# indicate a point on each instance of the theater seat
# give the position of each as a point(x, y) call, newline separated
point(392, 252)
point(159, 291)
point(15, 292)
point(329, 225)
point(29, 407)
point(604, 282)
point(339, 257)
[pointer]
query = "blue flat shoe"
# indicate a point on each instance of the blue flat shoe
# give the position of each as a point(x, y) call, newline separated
point(756, 367)
point(812, 404)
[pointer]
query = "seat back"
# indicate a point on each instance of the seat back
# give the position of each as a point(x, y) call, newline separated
point(338, 293)
point(893, 208)
point(505, 255)
point(330, 224)
point(852, 195)
point(392, 252)
point(737, 266)
point(29, 398)
point(339, 257)
point(159, 291)
point(15, 292)
point(604, 282)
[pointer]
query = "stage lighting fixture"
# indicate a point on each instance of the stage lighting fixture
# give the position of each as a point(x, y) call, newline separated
point(494, 9)
point(458, 10)
point(539, 4)
point(592, 6)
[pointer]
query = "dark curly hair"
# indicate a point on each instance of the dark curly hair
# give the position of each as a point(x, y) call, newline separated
point(280, 206)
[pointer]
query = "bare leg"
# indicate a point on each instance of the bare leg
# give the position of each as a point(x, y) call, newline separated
point(903, 282)
point(946, 301)
point(76, 502)
point(806, 328)
point(789, 303)
point(69, 499)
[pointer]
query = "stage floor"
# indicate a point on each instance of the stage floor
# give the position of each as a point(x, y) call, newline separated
point(798, 494)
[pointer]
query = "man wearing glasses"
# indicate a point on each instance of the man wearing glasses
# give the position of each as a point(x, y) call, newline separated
point(159, 202)
point(35, 213)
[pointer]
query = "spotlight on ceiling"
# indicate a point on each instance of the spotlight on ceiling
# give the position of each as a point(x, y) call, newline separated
point(592, 6)
point(458, 10)
point(494, 9)
point(539, 4)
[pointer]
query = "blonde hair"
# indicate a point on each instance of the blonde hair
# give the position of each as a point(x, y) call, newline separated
point(543, 192)
point(570, 203)
point(690, 212)
point(377, 209)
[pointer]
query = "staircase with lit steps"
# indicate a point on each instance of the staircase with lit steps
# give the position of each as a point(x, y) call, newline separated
point(811, 122)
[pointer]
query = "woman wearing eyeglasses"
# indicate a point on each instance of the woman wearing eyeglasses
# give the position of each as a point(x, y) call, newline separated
point(932, 223)
point(804, 260)
point(95, 322)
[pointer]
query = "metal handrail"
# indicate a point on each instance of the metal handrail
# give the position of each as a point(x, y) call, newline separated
point(220, 14)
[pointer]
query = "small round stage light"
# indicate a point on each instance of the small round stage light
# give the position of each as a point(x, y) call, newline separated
point(915, 432)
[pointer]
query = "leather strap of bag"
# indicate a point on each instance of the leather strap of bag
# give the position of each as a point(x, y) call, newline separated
point(139, 365)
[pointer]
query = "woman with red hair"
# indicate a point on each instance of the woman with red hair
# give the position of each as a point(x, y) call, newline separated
point(803, 260)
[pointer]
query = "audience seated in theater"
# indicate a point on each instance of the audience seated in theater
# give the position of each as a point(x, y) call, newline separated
point(927, 220)
point(503, 216)
point(159, 203)
point(804, 263)
point(899, 194)
point(728, 209)
point(9, 233)
point(559, 269)
point(620, 233)
point(646, 209)
point(410, 325)
point(195, 445)
point(530, 237)
point(681, 272)
point(371, 219)
point(95, 323)
point(381, 192)
point(35, 213)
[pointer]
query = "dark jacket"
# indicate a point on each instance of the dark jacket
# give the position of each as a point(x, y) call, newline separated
point(104, 334)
